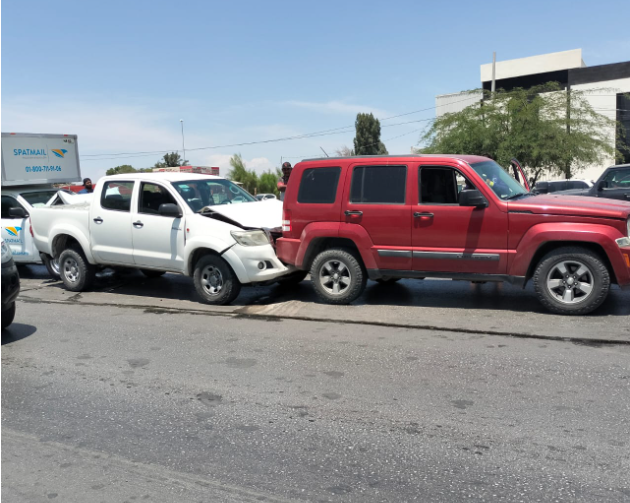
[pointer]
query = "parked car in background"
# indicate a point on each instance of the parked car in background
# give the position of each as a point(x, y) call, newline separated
point(262, 197)
point(10, 286)
point(547, 187)
point(202, 226)
point(17, 205)
point(614, 183)
point(459, 217)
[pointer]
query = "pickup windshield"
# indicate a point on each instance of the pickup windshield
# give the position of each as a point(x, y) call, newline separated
point(499, 180)
point(201, 193)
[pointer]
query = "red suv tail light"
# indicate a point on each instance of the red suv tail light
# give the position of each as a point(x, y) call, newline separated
point(286, 221)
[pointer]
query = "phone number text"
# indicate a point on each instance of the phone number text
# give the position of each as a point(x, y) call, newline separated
point(41, 169)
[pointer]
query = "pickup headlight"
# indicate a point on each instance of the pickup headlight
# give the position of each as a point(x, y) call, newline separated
point(250, 238)
point(6, 253)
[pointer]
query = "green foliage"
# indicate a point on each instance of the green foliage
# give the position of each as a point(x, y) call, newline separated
point(119, 170)
point(268, 181)
point(171, 160)
point(240, 173)
point(544, 127)
point(368, 136)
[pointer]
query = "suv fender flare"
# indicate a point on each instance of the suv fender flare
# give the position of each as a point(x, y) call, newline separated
point(561, 233)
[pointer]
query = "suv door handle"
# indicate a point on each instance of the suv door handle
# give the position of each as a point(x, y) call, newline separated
point(98, 220)
point(138, 224)
point(350, 212)
point(417, 214)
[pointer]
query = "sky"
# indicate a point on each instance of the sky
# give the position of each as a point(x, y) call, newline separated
point(121, 75)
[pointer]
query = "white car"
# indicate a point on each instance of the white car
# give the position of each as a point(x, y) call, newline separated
point(262, 197)
point(17, 205)
point(202, 226)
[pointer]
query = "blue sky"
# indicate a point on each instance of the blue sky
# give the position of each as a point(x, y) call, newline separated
point(122, 74)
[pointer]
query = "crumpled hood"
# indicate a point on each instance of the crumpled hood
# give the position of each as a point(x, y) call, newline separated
point(583, 206)
point(74, 198)
point(260, 214)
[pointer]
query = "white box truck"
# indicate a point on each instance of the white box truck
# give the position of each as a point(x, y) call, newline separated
point(31, 165)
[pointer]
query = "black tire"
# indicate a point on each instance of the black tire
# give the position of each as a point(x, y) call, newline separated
point(293, 279)
point(549, 272)
point(151, 273)
point(52, 266)
point(205, 275)
point(347, 292)
point(76, 272)
point(387, 281)
point(8, 315)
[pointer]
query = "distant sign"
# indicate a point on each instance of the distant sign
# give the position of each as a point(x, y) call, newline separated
point(29, 159)
point(202, 170)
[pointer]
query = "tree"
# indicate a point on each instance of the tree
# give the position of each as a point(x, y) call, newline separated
point(368, 136)
point(171, 160)
point(240, 173)
point(268, 182)
point(119, 170)
point(344, 151)
point(544, 127)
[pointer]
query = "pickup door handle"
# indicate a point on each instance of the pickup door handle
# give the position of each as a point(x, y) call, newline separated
point(417, 214)
point(98, 220)
point(350, 212)
point(138, 224)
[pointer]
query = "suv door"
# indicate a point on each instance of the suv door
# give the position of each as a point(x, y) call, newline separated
point(447, 237)
point(158, 241)
point(110, 228)
point(376, 198)
point(15, 232)
point(617, 184)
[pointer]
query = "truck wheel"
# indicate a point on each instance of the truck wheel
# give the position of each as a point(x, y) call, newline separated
point(572, 280)
point(215, 281)
point(8, 315)
point(338, 276)
point(151, 273)
point(76, 272)
point(52, 266)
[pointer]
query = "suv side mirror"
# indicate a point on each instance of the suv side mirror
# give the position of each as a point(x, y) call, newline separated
point(170, 210)
point(602, 185)
point(472, 197)
point(17, 212)
point(541, 187)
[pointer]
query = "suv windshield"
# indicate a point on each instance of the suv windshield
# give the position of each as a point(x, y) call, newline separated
point(499, 180)
point(38, 199)
point(201, 193)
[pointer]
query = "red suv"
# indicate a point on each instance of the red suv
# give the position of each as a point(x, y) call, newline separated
point(461, 217)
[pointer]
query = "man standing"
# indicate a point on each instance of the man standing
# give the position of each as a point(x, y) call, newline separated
point(87, 187)
point(284, 180)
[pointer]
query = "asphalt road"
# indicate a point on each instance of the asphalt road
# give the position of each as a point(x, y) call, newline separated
point(114, 404)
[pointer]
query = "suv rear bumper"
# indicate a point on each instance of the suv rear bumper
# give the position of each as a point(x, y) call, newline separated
point(287, 250)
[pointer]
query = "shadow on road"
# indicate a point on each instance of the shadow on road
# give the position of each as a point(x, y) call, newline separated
point(16, 332)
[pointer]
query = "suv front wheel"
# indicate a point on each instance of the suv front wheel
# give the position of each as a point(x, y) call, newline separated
point(572, 280)
point(338, 276)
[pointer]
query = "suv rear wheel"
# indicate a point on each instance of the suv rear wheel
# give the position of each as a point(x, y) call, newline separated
point(76, 272)
point(572, 280)
point(338, 276)
point(215, 281)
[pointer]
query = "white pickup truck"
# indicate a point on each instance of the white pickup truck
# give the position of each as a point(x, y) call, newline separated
point(198, 225)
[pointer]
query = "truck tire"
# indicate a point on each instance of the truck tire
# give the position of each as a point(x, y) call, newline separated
point(215, 281)
point(571, 280)
point(52, 266)
point(152, 273)
point(338, 276)
point(8, 315)
point(76, 272)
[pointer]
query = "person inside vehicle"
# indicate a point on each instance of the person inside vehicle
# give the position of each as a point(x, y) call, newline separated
point(88, 188)
point(284, 180)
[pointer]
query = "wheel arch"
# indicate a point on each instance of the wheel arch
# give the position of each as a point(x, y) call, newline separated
point(319, 244)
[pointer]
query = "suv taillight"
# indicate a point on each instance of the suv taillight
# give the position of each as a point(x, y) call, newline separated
point(286, 221)
point(30, 227)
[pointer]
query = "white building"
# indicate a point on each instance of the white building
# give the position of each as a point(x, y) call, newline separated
point(608, 84)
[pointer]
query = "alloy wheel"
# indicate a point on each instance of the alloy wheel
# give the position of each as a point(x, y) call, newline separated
point(570, 282)
point(212, 280)
point(335, 277)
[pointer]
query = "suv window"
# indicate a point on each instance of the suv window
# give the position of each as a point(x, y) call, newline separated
point(618, 178)
point(319, 185)
point(441, 185)
point(8, 202)
point(117, 196)
point(378, 184)
point(152, 196)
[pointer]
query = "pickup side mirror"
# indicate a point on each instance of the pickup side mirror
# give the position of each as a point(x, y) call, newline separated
point(170, 210)
point(541, 188)
point(602, 185)
point(472, 197)
point(17, 212)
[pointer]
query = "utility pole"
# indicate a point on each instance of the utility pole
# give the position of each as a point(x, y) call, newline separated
point(183, 143)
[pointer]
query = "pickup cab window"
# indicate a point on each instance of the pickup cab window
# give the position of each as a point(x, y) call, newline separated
point(152, 196)
point(117, 196)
